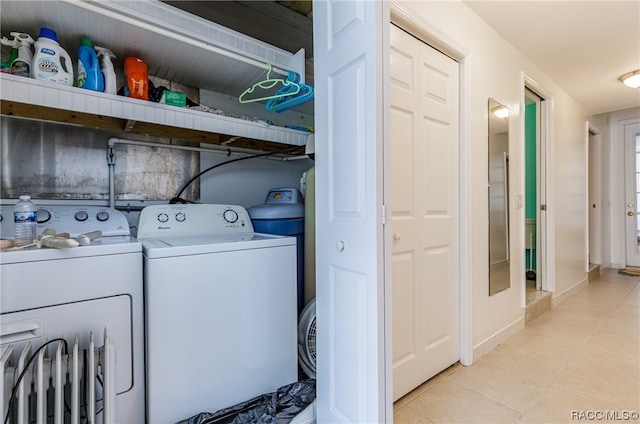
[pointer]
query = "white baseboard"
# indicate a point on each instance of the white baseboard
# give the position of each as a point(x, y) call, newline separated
point(497, 338)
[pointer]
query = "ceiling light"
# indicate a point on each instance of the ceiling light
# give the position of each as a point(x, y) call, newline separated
point(631, 79)
point(501, 111)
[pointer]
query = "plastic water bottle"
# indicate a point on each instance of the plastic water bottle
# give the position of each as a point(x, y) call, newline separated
point(24, 215)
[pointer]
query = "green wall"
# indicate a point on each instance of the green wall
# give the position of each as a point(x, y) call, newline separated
point(530, 161)
point(530, 177)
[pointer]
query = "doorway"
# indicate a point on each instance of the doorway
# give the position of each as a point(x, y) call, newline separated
point(632, 194)
point(424, 187)
point(535, 202)
point(594, 205)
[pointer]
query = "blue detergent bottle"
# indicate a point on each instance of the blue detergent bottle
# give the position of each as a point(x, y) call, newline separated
point(89, 73)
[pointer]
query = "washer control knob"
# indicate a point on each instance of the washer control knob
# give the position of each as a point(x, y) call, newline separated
point(180, 216)
point(81, 216)
point(163, 217)
point(230, 216)
point(102, 216)
point(43, 216)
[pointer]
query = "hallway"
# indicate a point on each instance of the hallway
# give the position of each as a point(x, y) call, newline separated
point(581, 357)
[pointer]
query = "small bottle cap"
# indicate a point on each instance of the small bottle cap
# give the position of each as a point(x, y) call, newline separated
point(86, 42)
point(48, 33)
point(25, 197)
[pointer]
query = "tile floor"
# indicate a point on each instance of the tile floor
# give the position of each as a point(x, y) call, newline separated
point(581, 357)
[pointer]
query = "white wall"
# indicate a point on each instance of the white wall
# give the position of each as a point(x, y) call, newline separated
point(247, 182)
point(494, 69)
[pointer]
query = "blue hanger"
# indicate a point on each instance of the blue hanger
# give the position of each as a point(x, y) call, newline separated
point(290, 99)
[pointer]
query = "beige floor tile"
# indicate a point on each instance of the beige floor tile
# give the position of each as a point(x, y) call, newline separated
point(557, 406)
point(633, 298)
point(583, 355)
point(570, 327)
point(603, 294)
point(406, 415)
point(623, 325)
point(615, 345)
point(543, 342)
point(614, 364)
point(629, 319)
point(590, 301)
point(528, 363)
point(499, 384)
point(629, 309)
point(528, 420)
point(580, 310)
point(421, 388)
point(449, 402)
point(599, 386)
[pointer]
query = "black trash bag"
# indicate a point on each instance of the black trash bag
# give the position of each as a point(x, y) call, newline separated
point(279, 407)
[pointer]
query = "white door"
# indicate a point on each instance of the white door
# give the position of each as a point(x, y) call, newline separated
point(632, 157)
point(349, 52)
point(425, 202)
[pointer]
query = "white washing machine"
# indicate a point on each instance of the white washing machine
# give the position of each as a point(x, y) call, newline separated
point(49, 293)
point(220, 309)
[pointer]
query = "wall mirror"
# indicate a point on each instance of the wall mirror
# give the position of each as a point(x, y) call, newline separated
point(498, 187)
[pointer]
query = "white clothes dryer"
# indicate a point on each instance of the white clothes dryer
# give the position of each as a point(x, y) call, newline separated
point(56, 293)
point(220, 309)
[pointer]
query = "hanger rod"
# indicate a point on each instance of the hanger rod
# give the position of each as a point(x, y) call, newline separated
point(178, 37)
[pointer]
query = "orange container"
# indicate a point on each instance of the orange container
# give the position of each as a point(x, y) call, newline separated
point(136, 73)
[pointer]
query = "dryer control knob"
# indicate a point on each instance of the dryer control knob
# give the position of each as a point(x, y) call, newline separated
point(180, 217)
point(163, 217)
point(43, 216)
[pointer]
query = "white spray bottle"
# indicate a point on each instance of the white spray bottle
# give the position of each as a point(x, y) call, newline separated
point(107, 69)
point(22, 64)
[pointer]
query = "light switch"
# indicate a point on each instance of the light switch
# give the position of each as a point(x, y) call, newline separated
point(518, 201)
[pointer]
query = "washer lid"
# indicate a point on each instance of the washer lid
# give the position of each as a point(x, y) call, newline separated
point(212, 243)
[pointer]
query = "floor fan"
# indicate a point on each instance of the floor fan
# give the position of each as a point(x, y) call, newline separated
point(307, 356)
point(307, 339)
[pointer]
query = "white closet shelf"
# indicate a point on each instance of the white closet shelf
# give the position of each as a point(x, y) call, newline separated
point(177, 46)
point(33, 99)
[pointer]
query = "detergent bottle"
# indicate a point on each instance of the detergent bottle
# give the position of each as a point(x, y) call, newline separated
point(5, 65)
point(108, 71)
point(89, 74)
point(50, 61)
point(137, 78)
point(22, 64)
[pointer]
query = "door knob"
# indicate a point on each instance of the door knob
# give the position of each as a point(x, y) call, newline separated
point(396, 236)
point(340, 246)
point(630, 213)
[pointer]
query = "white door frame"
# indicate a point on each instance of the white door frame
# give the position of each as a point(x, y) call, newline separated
point(630, 190)
point(546, 232)
point(431, 35)
point(593, 172)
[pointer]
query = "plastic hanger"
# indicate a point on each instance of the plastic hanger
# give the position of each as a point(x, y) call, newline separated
point(292, 77)
point(288, 88)
point(291, 100)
